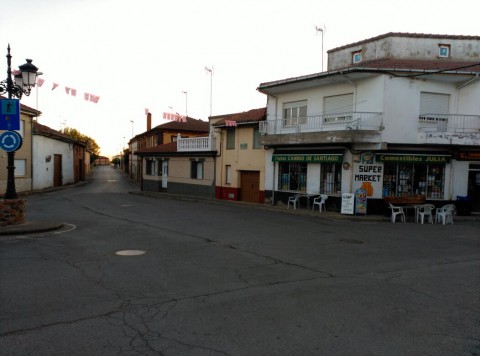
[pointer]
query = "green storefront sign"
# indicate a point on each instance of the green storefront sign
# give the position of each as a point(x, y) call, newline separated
point(381, 157)
point(310, 158)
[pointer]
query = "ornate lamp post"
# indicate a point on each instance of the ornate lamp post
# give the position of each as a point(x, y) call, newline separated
point(24, 82)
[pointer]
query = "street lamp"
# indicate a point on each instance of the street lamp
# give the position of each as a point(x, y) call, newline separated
point(24, 82)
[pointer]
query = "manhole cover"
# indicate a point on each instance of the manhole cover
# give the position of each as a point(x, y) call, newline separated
point(130, 253)
point(352, 241)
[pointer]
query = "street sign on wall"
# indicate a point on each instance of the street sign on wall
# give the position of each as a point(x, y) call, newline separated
point(9, 114)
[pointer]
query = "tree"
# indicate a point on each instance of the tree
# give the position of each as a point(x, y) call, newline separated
point(92, 146)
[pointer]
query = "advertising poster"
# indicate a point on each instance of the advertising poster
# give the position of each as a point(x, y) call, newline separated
point(361, 201)
point(368, 175)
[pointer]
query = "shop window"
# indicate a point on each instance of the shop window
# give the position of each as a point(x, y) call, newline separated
point(403, 180)
point(231, 138)
point(292, 177)
point(330, 178)
point(295, 113)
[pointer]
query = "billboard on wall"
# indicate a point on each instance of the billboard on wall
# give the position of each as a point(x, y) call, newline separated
point(368, 175)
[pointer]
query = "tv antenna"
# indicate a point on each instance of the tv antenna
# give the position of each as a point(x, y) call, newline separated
point(322, 30)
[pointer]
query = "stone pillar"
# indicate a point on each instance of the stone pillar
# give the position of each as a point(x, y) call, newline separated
point(12, 211)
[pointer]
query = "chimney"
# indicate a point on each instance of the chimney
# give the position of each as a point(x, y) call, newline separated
point(149, 121)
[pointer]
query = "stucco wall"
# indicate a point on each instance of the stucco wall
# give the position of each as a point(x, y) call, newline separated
point(43, 170)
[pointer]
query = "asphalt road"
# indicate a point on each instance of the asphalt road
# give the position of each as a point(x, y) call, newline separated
point(231, 279)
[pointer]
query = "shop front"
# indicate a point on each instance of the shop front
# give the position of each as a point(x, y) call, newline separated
point(310, 173)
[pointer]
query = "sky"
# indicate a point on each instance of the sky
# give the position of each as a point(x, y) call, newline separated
point(152, 54)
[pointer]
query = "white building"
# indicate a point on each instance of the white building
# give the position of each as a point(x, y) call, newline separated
point(397, 114)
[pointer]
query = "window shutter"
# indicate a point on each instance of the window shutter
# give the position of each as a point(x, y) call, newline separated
point(338, 103)
point(431, 103)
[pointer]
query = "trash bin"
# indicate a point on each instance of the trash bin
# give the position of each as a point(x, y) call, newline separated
point(463, 205)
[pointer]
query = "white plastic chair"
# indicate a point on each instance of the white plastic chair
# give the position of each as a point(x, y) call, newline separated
point(320, 201)
point(294, 200)
point(397, 210)
point(425, 210)
point(445, 214)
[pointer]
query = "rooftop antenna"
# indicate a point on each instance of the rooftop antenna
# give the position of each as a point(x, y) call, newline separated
point(186, 102)
point(210, 70)
point(322, 30)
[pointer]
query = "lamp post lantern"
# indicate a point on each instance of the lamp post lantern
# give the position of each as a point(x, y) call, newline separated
point(25, 80)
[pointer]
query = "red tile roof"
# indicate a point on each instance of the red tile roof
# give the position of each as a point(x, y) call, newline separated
point(254, 115)
point(39, 129)
point(435, 65)
point(406, 34)
point(190, 125)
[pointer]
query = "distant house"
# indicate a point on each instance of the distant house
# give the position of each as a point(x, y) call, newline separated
point(240, 169)
point(102, 161)
point(58, 159)
point(159, 135)
point(180, 158)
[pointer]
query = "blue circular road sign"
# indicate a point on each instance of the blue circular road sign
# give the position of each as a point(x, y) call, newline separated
point(10, 141)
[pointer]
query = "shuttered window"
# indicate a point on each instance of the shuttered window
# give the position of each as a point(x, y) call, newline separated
point(432, 103)
point(338, 108)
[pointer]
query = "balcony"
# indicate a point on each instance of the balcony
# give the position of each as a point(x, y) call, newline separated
point(195, 144)
point(449, 123)
point(342, 121)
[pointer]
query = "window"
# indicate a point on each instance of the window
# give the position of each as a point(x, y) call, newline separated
point(356, 57)
point(295, 113)
point(256, 138)
point(196, 169)
point(231, 138)
point(20, 167)
point(292, 177)
point(403, 180)
point(149, 167)
point(434, 109)
point(338, 108)
point(443, 50)
point(228, 174)
point(330, 178)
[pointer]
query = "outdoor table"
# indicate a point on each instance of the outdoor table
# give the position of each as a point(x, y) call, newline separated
point(410, 207)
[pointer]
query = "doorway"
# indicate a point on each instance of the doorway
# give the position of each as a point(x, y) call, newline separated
point(57, 170)
point(250, 186)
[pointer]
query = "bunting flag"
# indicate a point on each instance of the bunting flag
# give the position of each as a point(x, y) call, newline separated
point(94, 98)
point(40, 82)
point(147, 111)
point(73, 92)
point(230, 123)
point(67, 90)
point(86, 96)
point(174, 117)
point(55, 85)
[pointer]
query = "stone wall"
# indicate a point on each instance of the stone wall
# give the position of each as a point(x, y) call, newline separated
point(12, 211)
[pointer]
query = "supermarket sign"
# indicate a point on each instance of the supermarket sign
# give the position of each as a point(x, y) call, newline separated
point(416, 159)
point(310, 158)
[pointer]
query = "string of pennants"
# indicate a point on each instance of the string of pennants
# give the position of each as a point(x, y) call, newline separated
point(71, 91)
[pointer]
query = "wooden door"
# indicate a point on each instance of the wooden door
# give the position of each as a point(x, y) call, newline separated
point(250, 186)
point(57, 170)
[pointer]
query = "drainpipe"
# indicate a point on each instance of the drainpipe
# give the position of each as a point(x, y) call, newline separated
point(275, 123)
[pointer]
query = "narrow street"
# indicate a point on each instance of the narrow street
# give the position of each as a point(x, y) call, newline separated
point(131, 274)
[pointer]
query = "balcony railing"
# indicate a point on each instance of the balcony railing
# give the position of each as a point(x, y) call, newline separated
point(449, 123)
point(195, 144)
point(329, 122)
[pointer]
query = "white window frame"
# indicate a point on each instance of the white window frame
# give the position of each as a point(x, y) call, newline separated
point(295, 113)
point(357, 57)
point(228, 174)
point(20, 167)
point(443, 51)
